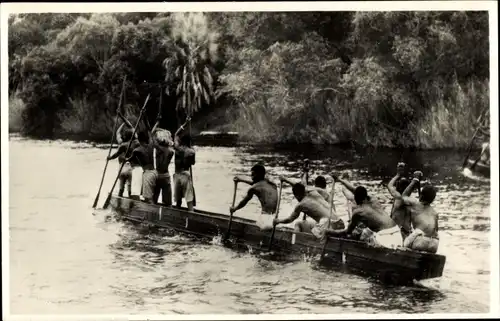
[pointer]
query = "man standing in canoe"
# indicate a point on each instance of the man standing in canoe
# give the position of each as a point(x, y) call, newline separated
point(125, 176)
point(145, 157)
point(380, 229)
point(400, 212)
point(316, 207)
point(184, 159)
point(266, 192)
point(164, 152)
point(424, 218)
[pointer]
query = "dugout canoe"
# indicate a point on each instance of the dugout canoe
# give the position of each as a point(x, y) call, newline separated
point(480, 168)
point(388, 265)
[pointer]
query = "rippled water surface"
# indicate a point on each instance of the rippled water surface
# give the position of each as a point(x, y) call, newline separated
point(63, 259)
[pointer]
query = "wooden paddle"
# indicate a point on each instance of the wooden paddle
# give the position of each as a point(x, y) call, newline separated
point(332, 207)
point(228, 232)
point(108, 199)
point(191, 170)
point(275, 216)
point(306, 174)
point(473, 138)
point(96, 200)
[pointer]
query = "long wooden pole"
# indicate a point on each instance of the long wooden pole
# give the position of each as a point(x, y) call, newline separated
point(306, 174)
point(275, 216)
point(106, 203)
point(191, 169)
point(228, 232)
point(332, 207)
point(96, 200)
point(473, 138)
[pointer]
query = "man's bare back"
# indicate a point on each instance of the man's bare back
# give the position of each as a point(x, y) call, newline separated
point(316, 207)
point(368, 211)
point(372, 215)
point(267, 194)
point(424, 218)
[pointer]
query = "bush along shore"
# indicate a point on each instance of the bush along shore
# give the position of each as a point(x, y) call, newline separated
point(384, 79)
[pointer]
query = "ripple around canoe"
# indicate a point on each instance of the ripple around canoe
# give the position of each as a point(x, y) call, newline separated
point(63, 259)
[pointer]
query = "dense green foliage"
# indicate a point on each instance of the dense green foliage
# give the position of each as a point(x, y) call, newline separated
point(378, 78)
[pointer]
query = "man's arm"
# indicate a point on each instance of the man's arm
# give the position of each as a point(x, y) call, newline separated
point(125, 121)
point(132, 155)
point(392, 188)
point(295, 214)
point(355, 220)
point(348, 185)
point(120, 151)
point(239, 179)
point(289, 181)
point(348, 194)
point(409, 189)
point(155, 125)
point(244, 201)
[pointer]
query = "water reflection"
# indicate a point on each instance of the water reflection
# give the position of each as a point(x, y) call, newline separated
point(137, 271)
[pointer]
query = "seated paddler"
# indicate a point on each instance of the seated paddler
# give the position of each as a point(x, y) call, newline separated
point(380, 230)
point(424, 219)
point(314, 206)
point(265, 190)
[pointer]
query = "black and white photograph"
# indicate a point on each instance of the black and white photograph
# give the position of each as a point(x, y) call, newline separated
point(284, 160)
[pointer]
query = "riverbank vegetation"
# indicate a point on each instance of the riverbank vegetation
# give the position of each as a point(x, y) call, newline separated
point(389, 79)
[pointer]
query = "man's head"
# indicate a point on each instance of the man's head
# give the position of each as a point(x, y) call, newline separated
point(186, 140)
point(163, 137)
point(360, 195)
point(402, 185)
point(126, 134)
point(143, 137)
point(299, 191)
point(320, 182)
point(258, 173)
point(427, 194)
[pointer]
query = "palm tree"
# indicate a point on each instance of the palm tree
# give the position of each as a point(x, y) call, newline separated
point(189, 69)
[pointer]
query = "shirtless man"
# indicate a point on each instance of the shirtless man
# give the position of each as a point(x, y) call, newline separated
point(380, 229)
point(164, 152)
point(319, 186)
point(184, 159)
point(314, 206)
point(400, 213)
point(266, 192)
point(424, 218)
point(125, 175)
point(485, 153)
point(145, 158)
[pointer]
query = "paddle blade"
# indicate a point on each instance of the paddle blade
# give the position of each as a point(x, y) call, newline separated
point(106, 203)
point(96, 199)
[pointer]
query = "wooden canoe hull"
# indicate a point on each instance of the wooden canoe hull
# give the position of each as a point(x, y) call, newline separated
point(393, 266)
point(480, 168)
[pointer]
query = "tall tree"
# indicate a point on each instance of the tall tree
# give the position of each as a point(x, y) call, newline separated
point(189, 72)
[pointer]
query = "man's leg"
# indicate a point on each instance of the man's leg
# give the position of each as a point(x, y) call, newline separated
point(166, 192)
point(121, 187)
point(157, 191)
point(129, 186)
point(148, 184)
point(188, 192)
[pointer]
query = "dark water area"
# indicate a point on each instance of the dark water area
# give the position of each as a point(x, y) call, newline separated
point(65, 260)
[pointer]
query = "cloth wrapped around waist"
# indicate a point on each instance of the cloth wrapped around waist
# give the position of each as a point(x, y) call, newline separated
point(419, 242)
point(389, 238)
point(149, 178)
point(265, 221)
point(320, 228)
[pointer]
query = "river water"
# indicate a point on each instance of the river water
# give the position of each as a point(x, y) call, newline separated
point(65, 260)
